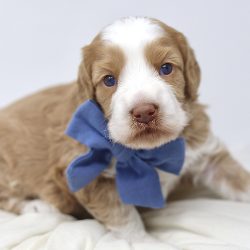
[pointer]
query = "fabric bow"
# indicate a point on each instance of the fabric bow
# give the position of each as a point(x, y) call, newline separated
point(136, 178)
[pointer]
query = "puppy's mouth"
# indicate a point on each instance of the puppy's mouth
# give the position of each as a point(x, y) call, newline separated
point(149, 135)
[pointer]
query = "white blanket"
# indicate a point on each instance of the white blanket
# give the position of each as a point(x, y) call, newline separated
point(191, 224)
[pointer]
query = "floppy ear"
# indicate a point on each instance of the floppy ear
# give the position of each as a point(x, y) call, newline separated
point(191, 67)
point(86, 88)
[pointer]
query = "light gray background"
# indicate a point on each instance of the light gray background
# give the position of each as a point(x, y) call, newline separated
point(40, 45)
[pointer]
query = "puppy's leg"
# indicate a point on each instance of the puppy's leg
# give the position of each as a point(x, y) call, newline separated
point(100, 198)
point(225, 176)
point(10, 192)
point(60, 198)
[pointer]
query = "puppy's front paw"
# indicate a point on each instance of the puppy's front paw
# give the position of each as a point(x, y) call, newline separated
point(37, 206)
point(130, 235)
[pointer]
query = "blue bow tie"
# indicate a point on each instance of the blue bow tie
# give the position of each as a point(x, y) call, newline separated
point(136, 178)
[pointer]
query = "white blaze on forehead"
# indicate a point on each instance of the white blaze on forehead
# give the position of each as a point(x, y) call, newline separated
point(132, 32)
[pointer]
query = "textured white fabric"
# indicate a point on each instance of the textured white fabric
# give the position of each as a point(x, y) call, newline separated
point(201, 224)
point(191, 224)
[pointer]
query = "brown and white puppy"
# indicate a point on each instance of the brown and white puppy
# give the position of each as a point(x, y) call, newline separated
point(145, 77)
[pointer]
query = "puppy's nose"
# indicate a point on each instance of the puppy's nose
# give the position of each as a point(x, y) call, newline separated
point(144, 113)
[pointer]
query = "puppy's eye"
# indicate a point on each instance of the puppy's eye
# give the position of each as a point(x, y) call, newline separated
point(166, 69)
point(109, 80)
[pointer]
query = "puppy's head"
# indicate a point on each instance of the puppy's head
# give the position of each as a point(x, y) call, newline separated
point(143, 74)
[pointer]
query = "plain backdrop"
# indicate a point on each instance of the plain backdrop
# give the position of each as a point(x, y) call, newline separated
point(40, 43)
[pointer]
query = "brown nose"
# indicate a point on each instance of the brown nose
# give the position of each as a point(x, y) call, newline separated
point(144, 113)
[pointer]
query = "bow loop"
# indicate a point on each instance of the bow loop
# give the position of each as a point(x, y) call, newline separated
point(94, 162)
point(136, 178)
point(169, 157)
point(88, 126)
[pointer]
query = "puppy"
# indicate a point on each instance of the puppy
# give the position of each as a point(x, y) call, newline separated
point(145, 77)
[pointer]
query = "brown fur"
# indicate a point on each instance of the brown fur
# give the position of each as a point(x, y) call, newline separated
point(225, 170)
point(97, 196)
point(34, 152)
point(99, 60)
point(164, 50)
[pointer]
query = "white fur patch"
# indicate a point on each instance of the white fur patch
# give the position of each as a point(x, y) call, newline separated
point(37, 206)
point(132, 33)
point(212, 145)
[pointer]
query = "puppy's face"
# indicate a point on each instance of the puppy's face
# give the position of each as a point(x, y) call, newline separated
point(143, 74)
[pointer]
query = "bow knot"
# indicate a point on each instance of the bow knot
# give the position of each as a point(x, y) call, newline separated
point(122, 154)
point(136, 178)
